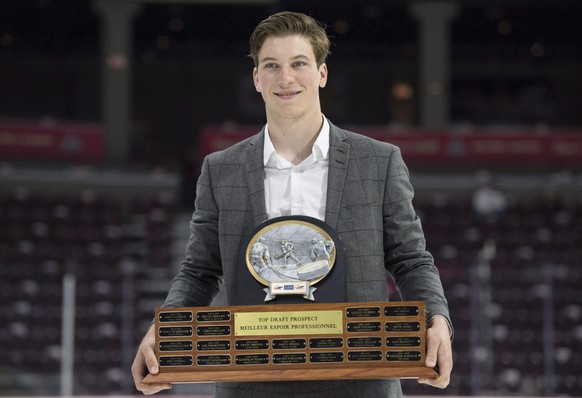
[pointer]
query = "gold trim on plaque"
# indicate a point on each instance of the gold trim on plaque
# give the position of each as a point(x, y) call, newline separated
point(288, 323)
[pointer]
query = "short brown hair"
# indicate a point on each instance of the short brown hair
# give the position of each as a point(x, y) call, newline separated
point(289, 23)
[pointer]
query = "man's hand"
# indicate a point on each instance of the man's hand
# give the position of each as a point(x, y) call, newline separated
point(145, 362)
point(438, 351)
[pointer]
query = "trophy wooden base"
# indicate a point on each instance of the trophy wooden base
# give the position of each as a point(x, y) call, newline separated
point(291, 375)
point(336, 341)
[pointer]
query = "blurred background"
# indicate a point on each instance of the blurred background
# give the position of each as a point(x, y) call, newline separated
point(107, 108)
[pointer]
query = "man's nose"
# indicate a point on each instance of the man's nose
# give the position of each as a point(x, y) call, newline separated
point(286, 75)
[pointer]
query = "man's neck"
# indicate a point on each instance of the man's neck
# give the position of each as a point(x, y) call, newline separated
point(293, 140)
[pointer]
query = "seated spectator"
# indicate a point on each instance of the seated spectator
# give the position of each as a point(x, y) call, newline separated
point(489, 203)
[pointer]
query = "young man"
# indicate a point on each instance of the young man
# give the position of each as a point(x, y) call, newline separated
point(301, 164)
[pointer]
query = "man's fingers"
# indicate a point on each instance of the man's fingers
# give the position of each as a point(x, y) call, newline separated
point(145, 362)
point(438, 351)
point(151, 362)
point(154, 388)
point(439, 382)
point(431, 355)
point(140, 371)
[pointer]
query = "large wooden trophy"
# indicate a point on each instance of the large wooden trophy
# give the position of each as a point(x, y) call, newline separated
point(291, 329)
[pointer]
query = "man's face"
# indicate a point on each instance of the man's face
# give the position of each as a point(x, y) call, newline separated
point(288, 78)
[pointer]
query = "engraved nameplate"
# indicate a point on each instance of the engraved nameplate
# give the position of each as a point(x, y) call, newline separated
point(364, 356)
point(364, 327)
point(326, 357)
point(403, 356)
point(402, 326)
point(365, 312)
point(403, 341)
point(212, 360)
point(212, 345)
point(279, 359)
point(213, 316)
point(289, 344)
point(175, 316)
point(176, 360)
point(175, 331)
point(330, 342)
point(251, 344)
point(175, 345)
point(252, 359)
point(401, 310)
point(287, 323)
point(364, 342)
point(223, 330)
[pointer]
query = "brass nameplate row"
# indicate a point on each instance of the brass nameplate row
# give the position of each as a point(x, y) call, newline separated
point(282, 342)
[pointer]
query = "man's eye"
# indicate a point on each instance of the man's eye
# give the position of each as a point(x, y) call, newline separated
point(270, 66)
point(298, 64)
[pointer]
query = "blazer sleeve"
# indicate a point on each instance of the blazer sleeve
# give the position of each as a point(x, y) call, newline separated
point(198, 279)
point(406, 258)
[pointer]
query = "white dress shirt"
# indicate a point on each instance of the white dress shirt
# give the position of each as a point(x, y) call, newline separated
point(297, 190)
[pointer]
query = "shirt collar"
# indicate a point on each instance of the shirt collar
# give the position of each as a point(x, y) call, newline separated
point(320, 147)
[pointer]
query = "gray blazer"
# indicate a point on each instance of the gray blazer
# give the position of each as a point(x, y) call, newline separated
point(369, 204)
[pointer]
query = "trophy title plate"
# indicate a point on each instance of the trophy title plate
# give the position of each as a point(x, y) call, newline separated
point(291, 342)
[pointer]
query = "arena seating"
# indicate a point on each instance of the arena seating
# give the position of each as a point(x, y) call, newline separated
point(535, 308)
point(103, 242)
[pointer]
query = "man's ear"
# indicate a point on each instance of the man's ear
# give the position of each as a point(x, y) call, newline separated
point(322, 75)
point(256, 79)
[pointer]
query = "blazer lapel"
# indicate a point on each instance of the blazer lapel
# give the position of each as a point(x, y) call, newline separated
point(255, 176)
point(339, 151)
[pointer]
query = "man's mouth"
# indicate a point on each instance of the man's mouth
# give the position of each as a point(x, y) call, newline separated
point(287, 94)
